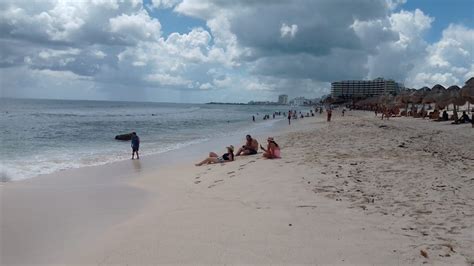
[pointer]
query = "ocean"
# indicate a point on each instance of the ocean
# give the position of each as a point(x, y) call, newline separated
point(44, 136)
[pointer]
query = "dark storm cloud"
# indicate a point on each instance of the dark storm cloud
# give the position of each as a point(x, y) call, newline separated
point(323, 68)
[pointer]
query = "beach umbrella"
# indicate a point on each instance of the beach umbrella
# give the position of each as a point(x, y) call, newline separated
point(386, 100)
point(372, 101)
point(467, 91)
point(403, 99)
point(451, 96)
point(329, 100)
point(435, 95)
point(454, 94)
point(416, 97)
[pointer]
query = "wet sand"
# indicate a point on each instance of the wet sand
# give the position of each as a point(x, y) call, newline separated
point(354, 191)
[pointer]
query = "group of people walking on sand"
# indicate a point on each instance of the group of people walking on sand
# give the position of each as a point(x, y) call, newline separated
point(272, 151)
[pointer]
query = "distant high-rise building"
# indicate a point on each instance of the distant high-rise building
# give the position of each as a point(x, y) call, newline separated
point(302, 101)
point(359, 89)
point(283, 99)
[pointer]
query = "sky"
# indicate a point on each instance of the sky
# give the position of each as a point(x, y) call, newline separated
point(197, 51)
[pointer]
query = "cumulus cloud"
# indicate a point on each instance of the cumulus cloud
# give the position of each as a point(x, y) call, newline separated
point(244, 49)
point(398, 54)
point(163, 4)
point(136, 27)
point(448, 61)
point(287, 31)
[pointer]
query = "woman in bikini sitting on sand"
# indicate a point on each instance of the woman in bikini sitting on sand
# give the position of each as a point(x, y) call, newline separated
point(214, 158)
point(272, 151)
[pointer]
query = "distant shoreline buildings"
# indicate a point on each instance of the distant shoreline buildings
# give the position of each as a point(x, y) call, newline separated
point(283, 99)
point(360, 89)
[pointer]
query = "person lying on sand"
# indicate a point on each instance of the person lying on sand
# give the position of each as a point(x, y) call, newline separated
point(272, 151)
point(250, 147)
point(214, 158)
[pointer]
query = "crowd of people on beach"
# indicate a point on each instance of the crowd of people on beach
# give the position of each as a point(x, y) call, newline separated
point(251, 146)
point(416, 112)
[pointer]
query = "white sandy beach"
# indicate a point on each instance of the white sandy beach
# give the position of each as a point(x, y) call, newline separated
point(357, 190)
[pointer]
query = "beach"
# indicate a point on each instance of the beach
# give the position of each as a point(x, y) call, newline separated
point(356, 190)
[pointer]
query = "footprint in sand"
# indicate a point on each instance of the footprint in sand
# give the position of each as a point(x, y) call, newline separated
point(217, 181)
point(307, 206)
point(197, 182)
point(232, 172)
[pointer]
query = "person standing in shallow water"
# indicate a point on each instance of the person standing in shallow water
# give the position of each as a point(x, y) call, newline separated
point(135, 145)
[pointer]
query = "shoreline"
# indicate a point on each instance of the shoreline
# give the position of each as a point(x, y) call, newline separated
point(261, 126)
point(308, 207)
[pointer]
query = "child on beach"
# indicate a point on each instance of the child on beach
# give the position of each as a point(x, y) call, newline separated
point(214, 158)
point(272, 151)
point(135, 145)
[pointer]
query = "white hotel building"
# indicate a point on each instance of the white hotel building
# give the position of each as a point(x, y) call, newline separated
point(359, 89)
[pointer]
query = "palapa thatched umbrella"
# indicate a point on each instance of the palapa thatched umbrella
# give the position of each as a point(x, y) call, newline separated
point(367, 102)
point(403, 99)
point(417, 96)
point(329, 100)
point(385, 100)
point(467, 91)
point(436, 96)
point(455, 97)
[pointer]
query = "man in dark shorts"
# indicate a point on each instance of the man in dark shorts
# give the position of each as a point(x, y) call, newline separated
point(135, 145)
point(250, 147)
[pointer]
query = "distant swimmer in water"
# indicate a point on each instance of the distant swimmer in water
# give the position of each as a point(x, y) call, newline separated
point(214, 158)
point(250, 147)
point(135, 145)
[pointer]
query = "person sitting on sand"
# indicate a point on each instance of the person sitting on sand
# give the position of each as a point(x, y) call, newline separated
point(272, 151)
point(464, 118)
point(214, 158)
point(445, 116)
point(250, 147)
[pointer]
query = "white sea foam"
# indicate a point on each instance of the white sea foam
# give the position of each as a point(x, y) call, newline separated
point(44, 136)
point(36, 165)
